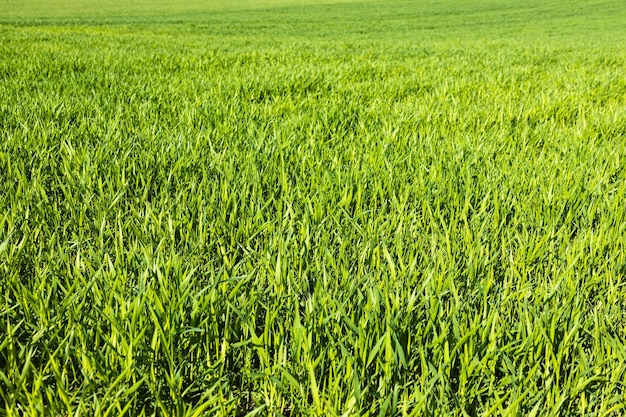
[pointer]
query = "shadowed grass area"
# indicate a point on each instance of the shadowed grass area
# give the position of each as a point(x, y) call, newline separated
point(290, 208)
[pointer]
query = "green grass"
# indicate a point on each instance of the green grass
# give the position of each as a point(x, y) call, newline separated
point(312, 208)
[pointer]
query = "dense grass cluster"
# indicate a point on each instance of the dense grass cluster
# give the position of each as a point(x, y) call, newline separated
point(385, 211)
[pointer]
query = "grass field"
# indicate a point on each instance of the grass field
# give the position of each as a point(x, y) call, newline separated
point(298, 207)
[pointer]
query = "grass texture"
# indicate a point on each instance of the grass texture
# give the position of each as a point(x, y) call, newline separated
point(291, 208)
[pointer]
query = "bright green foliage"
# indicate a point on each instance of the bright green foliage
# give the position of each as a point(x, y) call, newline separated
point(390, 208)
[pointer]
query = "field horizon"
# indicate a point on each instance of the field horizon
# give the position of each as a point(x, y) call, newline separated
point(490, 19)
point(297, 207)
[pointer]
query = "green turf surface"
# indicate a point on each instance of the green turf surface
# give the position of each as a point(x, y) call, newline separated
point(312, 208)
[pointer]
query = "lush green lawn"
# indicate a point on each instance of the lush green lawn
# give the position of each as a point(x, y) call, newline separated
point(312, 208)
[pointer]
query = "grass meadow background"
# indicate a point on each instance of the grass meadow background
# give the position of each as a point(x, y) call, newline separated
point(296, 207)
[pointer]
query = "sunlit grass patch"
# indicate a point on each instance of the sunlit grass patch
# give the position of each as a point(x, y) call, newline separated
point(394, 213)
